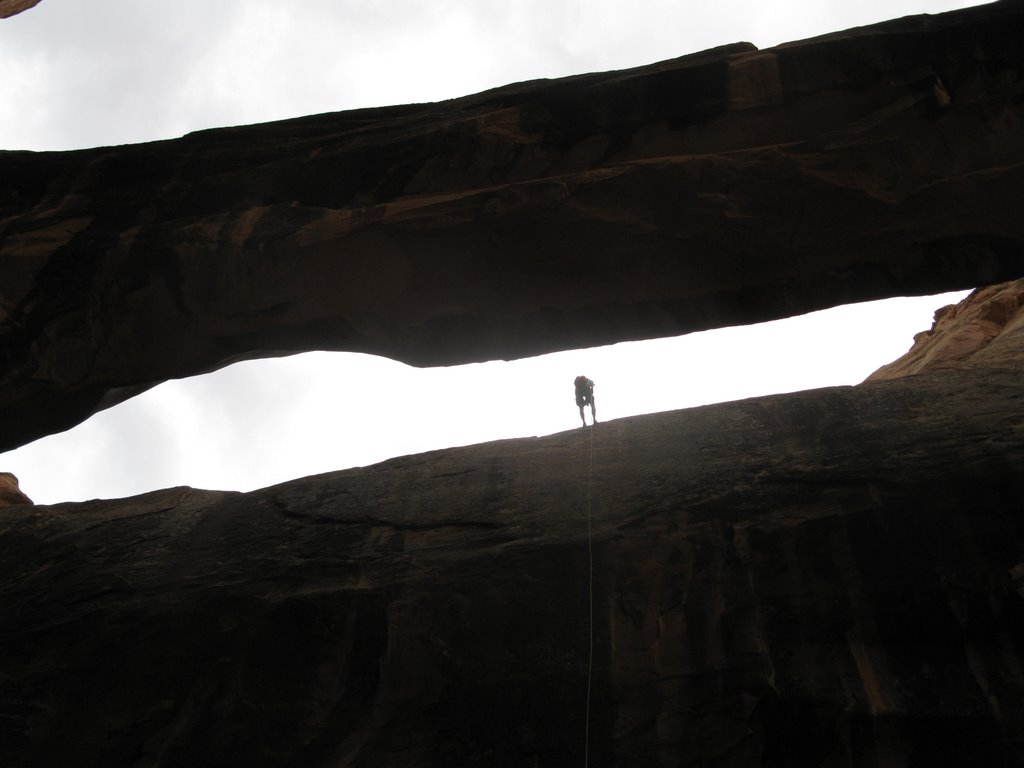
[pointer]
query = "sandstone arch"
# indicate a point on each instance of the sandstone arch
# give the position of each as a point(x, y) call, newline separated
point(826, 577)
point(725, 187)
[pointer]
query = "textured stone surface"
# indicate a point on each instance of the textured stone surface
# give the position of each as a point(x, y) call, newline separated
point(823, 578)
point(725, 187)
point(986, 327)
point(9, 8)
point(10, 494)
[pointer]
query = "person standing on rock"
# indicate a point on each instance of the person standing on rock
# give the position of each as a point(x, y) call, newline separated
point(585, 396)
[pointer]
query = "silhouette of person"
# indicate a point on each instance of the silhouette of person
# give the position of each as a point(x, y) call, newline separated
point(585, 396)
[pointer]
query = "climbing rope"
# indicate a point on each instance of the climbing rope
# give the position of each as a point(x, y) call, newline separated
point(590, 591)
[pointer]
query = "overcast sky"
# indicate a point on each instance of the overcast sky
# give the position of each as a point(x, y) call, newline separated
point(79, 74)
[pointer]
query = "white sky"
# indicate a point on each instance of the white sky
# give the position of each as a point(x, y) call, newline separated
point(79, 74)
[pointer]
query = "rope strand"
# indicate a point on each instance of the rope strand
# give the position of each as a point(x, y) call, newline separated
point(590, 589)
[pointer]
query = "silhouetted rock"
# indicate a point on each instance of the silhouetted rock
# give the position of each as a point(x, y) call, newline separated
point(725, 187)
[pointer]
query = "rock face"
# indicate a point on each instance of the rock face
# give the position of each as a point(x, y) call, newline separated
point(984, 328)
point(10, 8)
point(10, 493)
point(823, 578)
point(726, 187)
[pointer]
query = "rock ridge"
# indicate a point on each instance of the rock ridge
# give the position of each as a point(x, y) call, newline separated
point(983, 328)
point(10, 494)
point(10, 8)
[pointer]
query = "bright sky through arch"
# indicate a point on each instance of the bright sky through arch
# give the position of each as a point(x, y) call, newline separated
point(266, 421)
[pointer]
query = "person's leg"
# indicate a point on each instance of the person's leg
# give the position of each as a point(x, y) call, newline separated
point(593, 409)
point(582, 417)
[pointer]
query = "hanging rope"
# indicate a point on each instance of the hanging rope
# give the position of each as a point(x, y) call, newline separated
point(590, 592)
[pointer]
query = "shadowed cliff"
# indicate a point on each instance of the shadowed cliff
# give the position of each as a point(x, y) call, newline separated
point(833, 577)
point(725, 187)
